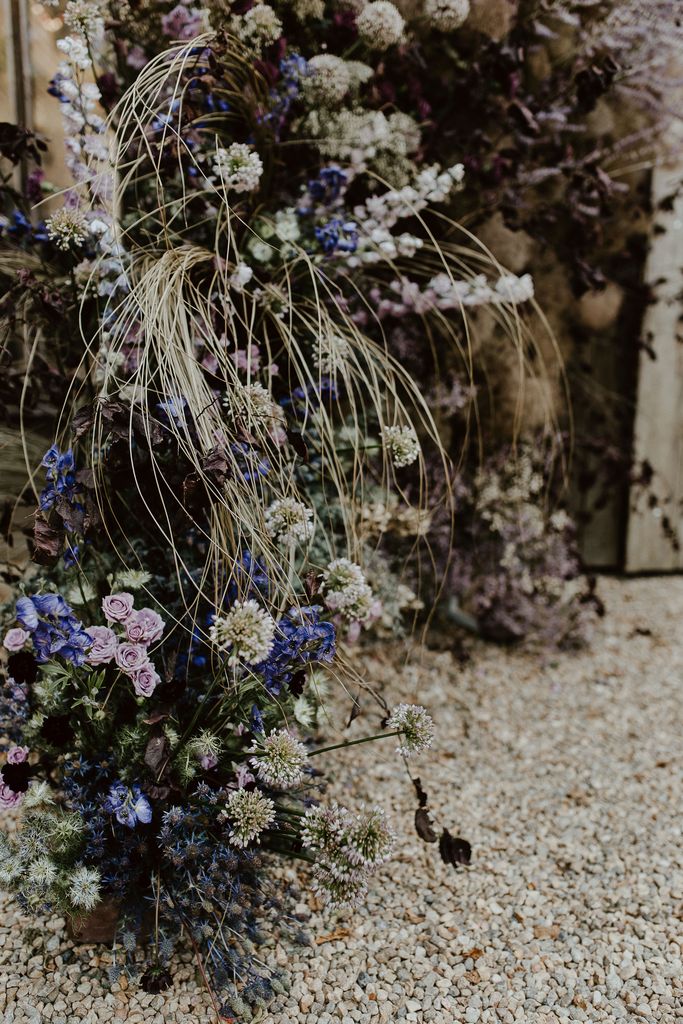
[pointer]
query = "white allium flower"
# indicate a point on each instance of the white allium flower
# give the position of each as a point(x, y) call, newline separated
point(289, 520)
point(332, 350)
point(257, 406)
point(329, 80)
point(416, 728)
point(67, 228)
point(84, 888)
point(347, 591)
point(287, 226)
point(240, 277)
point(346, 847)
point(250, 812)
point(380, 25)
point(247, 631)
point(447, 15)
point(280, 760)
point(402, 445)
point(239, 167)
point(260, 26)
point(304, 9)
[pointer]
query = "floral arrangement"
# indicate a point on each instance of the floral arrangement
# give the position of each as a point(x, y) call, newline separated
point(208, 326)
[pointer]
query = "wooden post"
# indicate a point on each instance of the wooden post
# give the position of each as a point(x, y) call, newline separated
point(658, 431)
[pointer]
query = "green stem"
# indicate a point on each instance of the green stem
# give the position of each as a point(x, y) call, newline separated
point(353, 743)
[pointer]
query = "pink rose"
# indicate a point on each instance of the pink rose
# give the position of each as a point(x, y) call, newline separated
point(117, 607)
point(8, 798)
point(145, 627)
point(131, 657)
point(145, 680)
point(104, 645)
point(17, 755)
point(16, 638)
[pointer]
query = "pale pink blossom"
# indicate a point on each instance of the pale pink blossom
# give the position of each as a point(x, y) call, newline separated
point(118, 607)
point(8, 798)
point(16, 638)
point(104, 645)
point(145, 680)
point(144, 627)
point(131, 657)
point(17, 755)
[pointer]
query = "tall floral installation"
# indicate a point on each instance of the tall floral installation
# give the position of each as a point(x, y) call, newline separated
point(208, 323)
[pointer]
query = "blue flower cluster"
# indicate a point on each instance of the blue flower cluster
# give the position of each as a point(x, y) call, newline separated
point(129, 805)
point(61, 479)
point(20, 227)
point(54, 629)
point(292, 69)
point(301, 638)
point(337, 235)
point(328, 186)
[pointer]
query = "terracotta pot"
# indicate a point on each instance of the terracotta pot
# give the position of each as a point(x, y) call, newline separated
point(98, 926)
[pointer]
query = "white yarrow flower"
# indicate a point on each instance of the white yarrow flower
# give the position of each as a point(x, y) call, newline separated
point(280, 760)
point(250, 813)
point(247, 631)
point(380, 25)
point(240, 277)
point(239, 167)
point(289, 520)
point(402, 445)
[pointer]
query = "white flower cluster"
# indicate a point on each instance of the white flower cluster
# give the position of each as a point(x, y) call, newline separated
point(305, 9)
point(416, 728)
point(347, 591)
point(363, 137)
point(377, 217)
point(250, 813)
point(331, 352)
point(280, 760)
point(239, 167)
point(246, 630)
point(240, 277)
point(85, 16)
point(289, 520)
point(254, 404)
point(446, 15)
point(347, 848)
point(328, 81)
point(402, 445)
point(444, 293)
point(67, 228)
point(380, 25)
point(259, 27)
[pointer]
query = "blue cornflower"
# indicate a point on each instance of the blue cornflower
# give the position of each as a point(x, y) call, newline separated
point(129, 805)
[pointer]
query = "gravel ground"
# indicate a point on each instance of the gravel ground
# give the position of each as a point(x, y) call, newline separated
point(566, 777)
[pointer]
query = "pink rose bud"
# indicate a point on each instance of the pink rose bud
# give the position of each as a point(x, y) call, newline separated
point(131, 657)
point(145, 680)
point(16, 638)
point(117, 607)
point(8, 798)
point(17, 755)
point(104, 645)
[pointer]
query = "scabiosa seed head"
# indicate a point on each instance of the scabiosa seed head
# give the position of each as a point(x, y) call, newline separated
point(250, 813)
point(416, 728)
point(402, 445)
point(247, 631)
point(447, 15)
point(289, 520)
point(280, 760)
point(67, 228)
point(380, 25)
point(239, 167)
point(84, 888)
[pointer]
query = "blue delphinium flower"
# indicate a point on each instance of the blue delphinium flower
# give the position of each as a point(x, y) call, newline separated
point(337, 235)
point(301, 638)
point(54, 628)
point(61, 479)
point(128, 805)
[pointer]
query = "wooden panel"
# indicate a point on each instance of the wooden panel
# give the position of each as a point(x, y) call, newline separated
point(659, 413)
